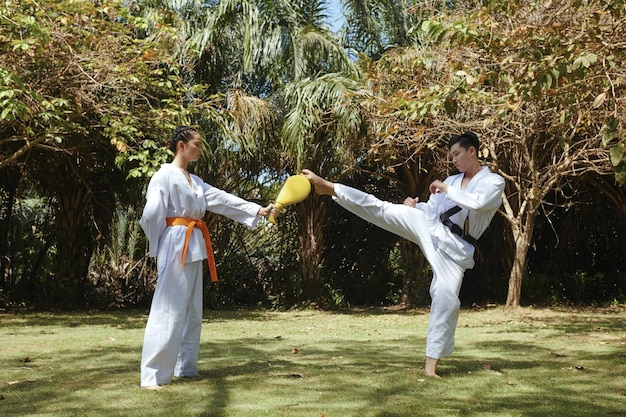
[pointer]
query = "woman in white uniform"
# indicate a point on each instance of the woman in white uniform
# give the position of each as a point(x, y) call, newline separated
point(176, 202)
point(457, 213)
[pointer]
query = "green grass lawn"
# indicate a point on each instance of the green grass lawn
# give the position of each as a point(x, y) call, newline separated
point(526, 362)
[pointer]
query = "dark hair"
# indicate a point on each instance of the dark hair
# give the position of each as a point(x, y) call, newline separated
point(465, 140)
point(184, 133)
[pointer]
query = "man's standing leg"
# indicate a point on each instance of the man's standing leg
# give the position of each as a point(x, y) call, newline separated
point(444, 310)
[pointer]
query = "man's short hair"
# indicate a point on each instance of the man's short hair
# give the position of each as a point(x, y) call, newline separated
point(465, 140)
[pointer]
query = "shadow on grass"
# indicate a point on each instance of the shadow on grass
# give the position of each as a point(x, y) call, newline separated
point(337, 376)
point(587, 324)
point(125, 318)
point(128, 319)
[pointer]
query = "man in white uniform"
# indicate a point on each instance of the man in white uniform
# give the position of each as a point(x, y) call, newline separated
point(176, 201)
point(458, 211)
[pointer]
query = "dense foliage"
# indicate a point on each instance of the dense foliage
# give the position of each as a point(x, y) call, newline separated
point(78, 88)
point(544, 91)
point(90, 90)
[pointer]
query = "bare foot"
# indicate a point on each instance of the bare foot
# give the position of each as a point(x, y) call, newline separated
point(430, 368)
point(153, 387)
point(322, 186)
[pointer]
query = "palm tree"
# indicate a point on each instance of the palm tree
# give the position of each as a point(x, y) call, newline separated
point(324, 130)
point(378, 25)
point(289, 89)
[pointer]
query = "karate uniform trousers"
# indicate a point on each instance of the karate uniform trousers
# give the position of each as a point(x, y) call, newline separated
point(424, 228)
point(172, 336)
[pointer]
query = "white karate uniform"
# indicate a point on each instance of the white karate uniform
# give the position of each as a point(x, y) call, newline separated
point(448, 254)
point(172, 337)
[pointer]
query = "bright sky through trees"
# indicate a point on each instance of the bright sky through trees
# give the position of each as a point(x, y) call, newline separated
point(335, 15)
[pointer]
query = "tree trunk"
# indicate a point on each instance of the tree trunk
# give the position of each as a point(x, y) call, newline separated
point(10, 183)
point(312, 214)
point(74, 245)
point(523, 237)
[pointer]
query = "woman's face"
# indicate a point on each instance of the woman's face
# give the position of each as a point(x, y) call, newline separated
point(191, 150)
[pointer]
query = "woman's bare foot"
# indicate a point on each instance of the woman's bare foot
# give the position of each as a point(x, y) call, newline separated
point(430, 368)
point(153, 387)
point(322, 186)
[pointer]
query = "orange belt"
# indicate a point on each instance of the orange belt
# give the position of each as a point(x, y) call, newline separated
point(200, 224)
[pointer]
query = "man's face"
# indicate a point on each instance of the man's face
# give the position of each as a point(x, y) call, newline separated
point(462, 158)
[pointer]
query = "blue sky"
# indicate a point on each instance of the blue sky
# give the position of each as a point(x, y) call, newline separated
point(335, 15)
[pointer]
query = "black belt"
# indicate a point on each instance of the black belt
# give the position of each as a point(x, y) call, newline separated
point(455, 228)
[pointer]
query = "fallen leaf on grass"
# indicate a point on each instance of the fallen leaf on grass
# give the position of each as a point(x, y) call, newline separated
point(295, 350)
point(486, 366)
point(599, 100)
point(11, 383)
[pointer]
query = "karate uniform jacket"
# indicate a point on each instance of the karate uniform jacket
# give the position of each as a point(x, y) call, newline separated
point(479, 202)
point(170, 195)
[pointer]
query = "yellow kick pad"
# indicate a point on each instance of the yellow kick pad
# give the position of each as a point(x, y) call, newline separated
point(295, 189)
